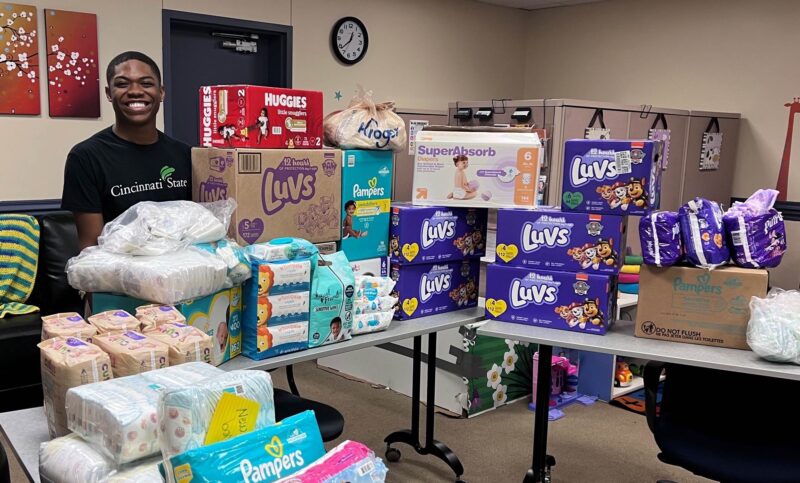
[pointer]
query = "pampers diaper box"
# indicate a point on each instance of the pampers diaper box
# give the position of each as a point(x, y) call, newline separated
point(242, 116)
point(435, 288)
point(461, 167)
point(560, 240)
point(433, 234)
point(615, 177)
point(279, 192)
point(581, 302)
point(218, 315)
point(366, 196)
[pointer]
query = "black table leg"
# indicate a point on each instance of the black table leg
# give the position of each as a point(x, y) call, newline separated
point(411, 437)
point(540, 470)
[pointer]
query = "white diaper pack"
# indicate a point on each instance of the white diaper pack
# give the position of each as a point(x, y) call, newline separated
point(486, 168)
point(120, 416)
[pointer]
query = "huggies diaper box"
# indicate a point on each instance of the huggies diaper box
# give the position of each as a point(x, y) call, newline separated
point(428, 234)
point(477, 169)
point(279, 193)
point(615, 177)
point(435, 288)
point(366, 196)
point(559, 240)
point(241, 116)
point(581, 302)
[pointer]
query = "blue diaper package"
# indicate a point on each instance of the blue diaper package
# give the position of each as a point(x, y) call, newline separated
point(703, 233)
point(331, 304)
point(262, 456)
point(660, 237)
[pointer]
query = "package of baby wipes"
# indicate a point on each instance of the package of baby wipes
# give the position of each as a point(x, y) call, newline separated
point(186, 414)
point(153, 315)
point(275, 278)
point(68, 324)
point(372, 322)
point(349, 462)
point(186, 343)
point(114, 322)
point(331, 306)
point(120, 416)
point(133, 352)
point(263, 456)
point(280, 249)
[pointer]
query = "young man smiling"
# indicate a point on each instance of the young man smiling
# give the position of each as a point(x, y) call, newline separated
point(132, 160)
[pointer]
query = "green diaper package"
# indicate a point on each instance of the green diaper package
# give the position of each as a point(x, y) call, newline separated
point(331, 303)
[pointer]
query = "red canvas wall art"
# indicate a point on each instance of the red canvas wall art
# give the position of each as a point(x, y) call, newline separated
point(19, 60)
point(72, 71)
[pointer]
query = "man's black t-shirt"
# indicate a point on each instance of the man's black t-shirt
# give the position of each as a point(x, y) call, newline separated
point(107, 174)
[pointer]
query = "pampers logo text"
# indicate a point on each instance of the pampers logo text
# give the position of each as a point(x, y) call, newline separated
point(535, 237)
point(272, 470)
point(433, 232)
point(702, 287)
point(382, 137)
point(541, 290)
point(434, 282)
point(372, 191)
point(595, 169)
point(291, 182)
point(423, 150)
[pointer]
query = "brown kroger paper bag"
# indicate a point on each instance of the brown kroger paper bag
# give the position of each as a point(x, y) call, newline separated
point(365, 125)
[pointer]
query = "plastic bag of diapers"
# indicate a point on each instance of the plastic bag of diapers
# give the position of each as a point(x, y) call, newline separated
point(757, 235)
point(660, 237)
point(331, 304)
point(365, 125)
point(703, 233)
point(349, 461)
point(262, 456)
point(773, 331)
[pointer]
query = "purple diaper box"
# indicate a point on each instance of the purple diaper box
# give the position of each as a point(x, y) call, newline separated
point(433, 234)
point(560, 240)
point(435, 288)
point(615, 177)
point(580, 302)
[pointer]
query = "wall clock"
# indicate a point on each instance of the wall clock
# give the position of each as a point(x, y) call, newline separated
point(349, 40)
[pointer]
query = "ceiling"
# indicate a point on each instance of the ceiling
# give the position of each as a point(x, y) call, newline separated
point(536, 4)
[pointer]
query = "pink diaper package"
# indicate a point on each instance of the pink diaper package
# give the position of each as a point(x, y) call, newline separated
point(350, 462)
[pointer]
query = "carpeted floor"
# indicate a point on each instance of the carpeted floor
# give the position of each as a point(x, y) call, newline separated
point(598, 443)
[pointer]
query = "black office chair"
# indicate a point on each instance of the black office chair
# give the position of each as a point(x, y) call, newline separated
point(726, 426)
point(330, 421)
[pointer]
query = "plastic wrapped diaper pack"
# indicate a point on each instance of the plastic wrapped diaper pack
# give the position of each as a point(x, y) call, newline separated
point(132, 352)
point(349, 462)
point(234, 257)
point(703, 233)
point(68, 362)
point(153, 315)
point(186, 343)
point(757, 235)
point(660, 237)
point(70, 459)
point(263, 456)
point(68, 324)
point(773, 331)
point(372, 322)
point(280, 249)
point(185, 413)
point(114, 322)
point(120, 416)
point(371, 286)
point(166, 279)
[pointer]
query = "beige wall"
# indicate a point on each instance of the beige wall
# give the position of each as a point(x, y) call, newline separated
point(422, 54)
point(717, 55)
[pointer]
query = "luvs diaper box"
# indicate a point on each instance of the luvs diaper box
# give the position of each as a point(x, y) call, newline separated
point(279, 192)
point(366, 196)
point(242, 116)
point(580, 302)
point(615, 177)
point(435, 288)
point(477, 169)
point(556, 240)
point(432, 234)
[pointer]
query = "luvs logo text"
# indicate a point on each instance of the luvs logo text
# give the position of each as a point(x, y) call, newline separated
point(595, 168)
point(291, 182)
point(523, 292)
point(434, 282)
point(536, 236)
point(434, 231)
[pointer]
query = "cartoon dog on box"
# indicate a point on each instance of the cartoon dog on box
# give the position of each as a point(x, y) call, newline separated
point(579, 314)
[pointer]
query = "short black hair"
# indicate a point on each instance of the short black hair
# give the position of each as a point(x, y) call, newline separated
point(336, 320)
point(131, 55)
point(349, 204)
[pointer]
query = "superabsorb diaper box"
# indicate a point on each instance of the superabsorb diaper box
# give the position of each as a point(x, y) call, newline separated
point(435, 288)
point(579, 302)
point(492, 169)
point(615, 177)
point(560, 240)
point(428, 234)
point(366, 196)
point(279, 193)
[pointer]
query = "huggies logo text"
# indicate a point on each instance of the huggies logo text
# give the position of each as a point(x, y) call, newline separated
point(432, 233)
point(207, 116)
point(535, 237)
point(594, 170)
point(521, 294)
point(432, 284)
point(282, 100)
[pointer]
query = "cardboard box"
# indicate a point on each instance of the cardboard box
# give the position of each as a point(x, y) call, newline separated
point(218, 315)
point(697, 306)
point(378, 267)
point(477, 169)
point(366, 197)
point(560, 240)
point(279, 193)
point(615, 177)
point(435, 288)
point(241, 116)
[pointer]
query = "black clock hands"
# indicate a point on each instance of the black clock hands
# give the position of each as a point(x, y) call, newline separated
point(348, 42)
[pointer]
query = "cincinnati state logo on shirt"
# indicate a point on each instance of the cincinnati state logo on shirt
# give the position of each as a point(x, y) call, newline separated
point(165, 181)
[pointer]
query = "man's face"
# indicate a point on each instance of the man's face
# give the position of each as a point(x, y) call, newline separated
point(135, 93)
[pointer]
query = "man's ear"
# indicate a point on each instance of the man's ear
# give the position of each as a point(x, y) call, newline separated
point(108, 93)
point(163, 93)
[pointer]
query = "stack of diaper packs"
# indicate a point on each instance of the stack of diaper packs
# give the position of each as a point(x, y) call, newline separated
point(555, 269)
point(373, 304)
point(435, 256)
point(277, 297)
point(68, 324)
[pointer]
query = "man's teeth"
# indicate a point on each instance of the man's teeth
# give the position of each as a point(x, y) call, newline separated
point(136, 105)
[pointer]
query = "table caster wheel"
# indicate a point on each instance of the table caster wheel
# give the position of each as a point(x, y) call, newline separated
point(393, 455)
point(460, 481)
